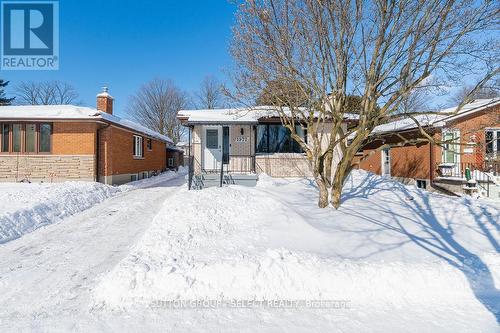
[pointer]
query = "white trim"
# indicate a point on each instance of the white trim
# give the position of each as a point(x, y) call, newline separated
point(383, 159)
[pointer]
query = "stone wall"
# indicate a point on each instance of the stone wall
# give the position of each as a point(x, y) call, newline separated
point(47, 168)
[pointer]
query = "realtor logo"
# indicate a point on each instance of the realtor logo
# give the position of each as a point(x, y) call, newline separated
point(30, 35)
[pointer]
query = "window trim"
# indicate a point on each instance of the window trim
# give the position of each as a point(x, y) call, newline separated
point(138, 145)
point(495, 143)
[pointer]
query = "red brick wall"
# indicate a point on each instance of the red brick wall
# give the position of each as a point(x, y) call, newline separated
point(415, 161)
point(116, 153)
point(73, 138)
point(472, 129)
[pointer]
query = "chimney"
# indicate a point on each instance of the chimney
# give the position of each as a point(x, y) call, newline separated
point(105, 101)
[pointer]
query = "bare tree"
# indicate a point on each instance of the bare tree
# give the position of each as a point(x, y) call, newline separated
point(210, 95)
point(45, 93)
point(489, 91)
point(155, 105)
point(379, 50)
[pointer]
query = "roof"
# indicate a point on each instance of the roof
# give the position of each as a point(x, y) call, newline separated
point(438, 119)
point(249, 115)
point(72, 112)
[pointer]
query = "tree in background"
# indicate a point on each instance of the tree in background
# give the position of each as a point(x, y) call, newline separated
point(4, 100)
point(45, 93)
point(155, 105)
point(485, 92)
point(211, 94)
point(381, 51)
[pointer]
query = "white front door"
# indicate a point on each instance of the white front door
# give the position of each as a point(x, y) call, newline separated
point(212, 147)
point(386, 162)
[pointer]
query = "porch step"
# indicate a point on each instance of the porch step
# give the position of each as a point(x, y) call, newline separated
point(213, 180)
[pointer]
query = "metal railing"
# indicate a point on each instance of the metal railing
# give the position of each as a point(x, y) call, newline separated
point(479, 171)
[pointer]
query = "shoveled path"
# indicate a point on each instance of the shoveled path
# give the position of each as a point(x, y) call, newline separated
point(50, 272)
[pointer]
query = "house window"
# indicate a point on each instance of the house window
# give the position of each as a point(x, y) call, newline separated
point(138, 146)
point(44, 138)
point(5, 138)
point(421, 183)
point(451, 147)
point(133, 178)
point(149, 144)
point(212, 138)
point(16, 138)
point(275, 138)
point(30, 138)
point(171, 162)
point(492, 142)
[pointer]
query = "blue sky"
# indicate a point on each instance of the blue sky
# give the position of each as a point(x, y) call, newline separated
point(123, 44)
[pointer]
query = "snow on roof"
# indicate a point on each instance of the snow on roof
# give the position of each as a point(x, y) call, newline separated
point(235, 115)
point(436, 119)
point(68, 112)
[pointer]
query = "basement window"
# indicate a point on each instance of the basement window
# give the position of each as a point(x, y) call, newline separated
point(421, 183)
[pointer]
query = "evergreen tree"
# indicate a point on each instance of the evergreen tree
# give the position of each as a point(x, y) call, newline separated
point(4, 100)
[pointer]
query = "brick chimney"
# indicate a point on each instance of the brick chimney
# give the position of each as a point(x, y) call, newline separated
point(105, 101)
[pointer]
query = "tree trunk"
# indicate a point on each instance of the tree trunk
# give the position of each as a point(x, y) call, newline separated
point(323, 193)
point(341, 173)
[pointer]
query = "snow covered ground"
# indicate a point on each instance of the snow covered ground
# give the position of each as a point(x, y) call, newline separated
point(392, 258)
point(26, 207)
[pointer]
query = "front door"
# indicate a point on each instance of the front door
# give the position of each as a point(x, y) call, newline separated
point(386, 162)
point(212, 153)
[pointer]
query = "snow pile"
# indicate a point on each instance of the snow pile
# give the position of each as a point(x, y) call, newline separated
point(26, 207)
point(388, 247)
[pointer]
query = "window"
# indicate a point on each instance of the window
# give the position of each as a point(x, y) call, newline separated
point(133, 178)
point(44, 138)
point(171, 162)
point(492, 142)
point(212, 138)
point(16, 138)
point(5, 138)
point(421, 184)
point(451, 149)
point(27, 138)
point(149, 144)
point(138, 146)
point(30, 138)
point(275, 138)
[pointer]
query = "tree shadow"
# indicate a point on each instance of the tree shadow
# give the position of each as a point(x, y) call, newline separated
point(435, 234)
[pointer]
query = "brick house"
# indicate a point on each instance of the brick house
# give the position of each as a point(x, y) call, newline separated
point(244, 143)
point(53, 143)
point(471, 141)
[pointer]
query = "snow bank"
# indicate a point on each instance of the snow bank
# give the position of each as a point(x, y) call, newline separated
point(27, 207)
point(272, 243)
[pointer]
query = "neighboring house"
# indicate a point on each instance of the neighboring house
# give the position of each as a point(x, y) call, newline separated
point(175, 157)
point(471, 141)
point(65, 142)
point(242, 143)
point(184, 146)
